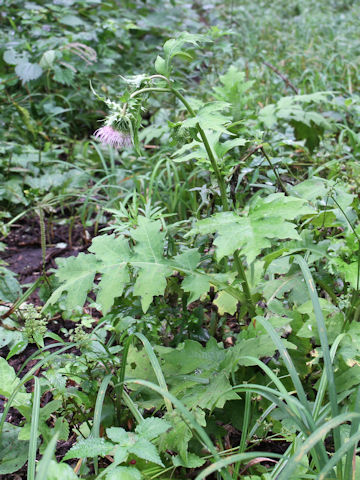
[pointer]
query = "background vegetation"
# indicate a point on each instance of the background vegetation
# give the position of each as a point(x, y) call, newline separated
point(187, 306)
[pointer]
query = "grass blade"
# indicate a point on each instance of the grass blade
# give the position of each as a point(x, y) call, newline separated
point(275, 380)
point(157, 369)
point(324, 345)
point(276, 398)
point(311, 442)
point(34, 431)
point(239, 457)
point(348, 472)
point(323, 381)
point(287, 360)
point(246, 421)
point(320, 455)
point(347, 447)
point(46, 459)
point(132, 407)
point(95, 431)
point(119, 388)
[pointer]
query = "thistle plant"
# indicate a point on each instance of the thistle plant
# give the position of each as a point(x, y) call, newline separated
point(126, 118)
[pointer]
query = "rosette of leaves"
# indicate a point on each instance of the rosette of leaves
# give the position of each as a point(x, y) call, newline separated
point(139, 262)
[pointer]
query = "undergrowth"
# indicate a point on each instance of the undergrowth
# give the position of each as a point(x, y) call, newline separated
point(210, 329)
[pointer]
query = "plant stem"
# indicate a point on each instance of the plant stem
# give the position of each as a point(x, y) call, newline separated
point(224, 200)
point(274, 170)
point(149, 89)
point(210, 153)
point(42, 238)
point(244, 284)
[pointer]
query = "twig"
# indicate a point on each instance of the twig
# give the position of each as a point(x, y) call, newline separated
point(274, 170)
point(265, 155)
point(254, 461)
point(282, 76)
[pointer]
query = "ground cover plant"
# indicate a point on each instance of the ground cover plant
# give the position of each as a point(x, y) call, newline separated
point(180, 251)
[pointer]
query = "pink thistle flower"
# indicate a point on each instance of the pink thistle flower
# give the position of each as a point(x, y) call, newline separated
point(110, 136)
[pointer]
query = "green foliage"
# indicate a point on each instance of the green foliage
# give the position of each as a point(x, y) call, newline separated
point(10, 288)
point(236, 91)
point(113, 257)
point(265, 221)
point(89, 447)
point(10, 382)
point(35, 324)
point(242, 341)
point(175, 48)
point(124, 444)
point(60, 471)
point(13, 451)
point(308, 125)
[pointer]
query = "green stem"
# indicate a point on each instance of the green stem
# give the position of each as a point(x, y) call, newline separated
point(42, 238)
point(274, 170)
point(149, 89)
point(244, 284)
point(210, 153)
point(224, 200)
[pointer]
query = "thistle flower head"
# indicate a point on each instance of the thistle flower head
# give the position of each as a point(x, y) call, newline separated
point(109, 135)
point(117, 130)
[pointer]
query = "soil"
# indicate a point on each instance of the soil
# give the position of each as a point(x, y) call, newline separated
point(23, 252)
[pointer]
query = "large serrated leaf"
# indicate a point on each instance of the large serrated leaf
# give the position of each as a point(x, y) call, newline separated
point(152, 427)
point(149, 259)
point(215, 394)
point(27, 71)
point(266, 221)
point(195, 284)
point(142, 263)
point(117, 435)
point(89, 447)
point(77, 276)
point(9, 382)
point(210, 116)
point(114, 254)
point(10, 288)
point(192, 356)
point(146, 450)
point(13, 452)
point(63, 75)
point(178, 437)
point(12, 57)
point(226, 303)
